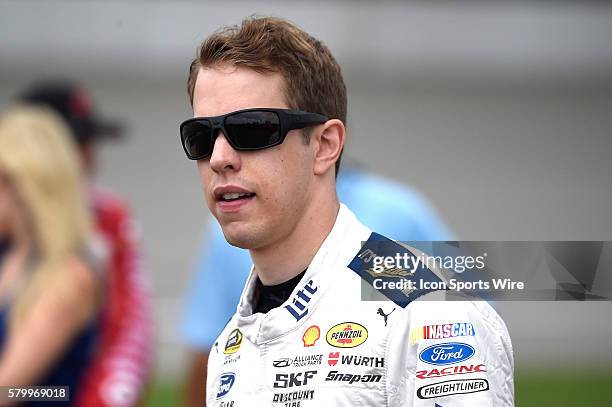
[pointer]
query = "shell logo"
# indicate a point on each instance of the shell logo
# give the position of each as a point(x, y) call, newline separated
point(347, 335)
point(311, 335)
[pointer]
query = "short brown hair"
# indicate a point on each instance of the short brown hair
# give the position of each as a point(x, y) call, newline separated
point(312, 76)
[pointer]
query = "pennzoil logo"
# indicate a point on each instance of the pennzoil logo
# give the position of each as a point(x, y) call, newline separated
point(234, 340)
point(311, 336)
point(347, 335)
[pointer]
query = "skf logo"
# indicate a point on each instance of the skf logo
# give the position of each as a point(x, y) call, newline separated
point(347, 335)
point(285, 380)
point(442, 331)
point(301, 300)
point(224, 384)
point(234, 340)
point(311, 335)
point(332, 360)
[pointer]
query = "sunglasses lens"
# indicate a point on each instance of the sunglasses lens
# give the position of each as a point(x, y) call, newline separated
point(253, 130)
point(196, 139)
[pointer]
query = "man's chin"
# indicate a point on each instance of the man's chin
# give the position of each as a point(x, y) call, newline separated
point(242, 244)
point(239, 236)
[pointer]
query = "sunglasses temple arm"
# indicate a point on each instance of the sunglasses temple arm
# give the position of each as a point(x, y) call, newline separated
point(301, 120)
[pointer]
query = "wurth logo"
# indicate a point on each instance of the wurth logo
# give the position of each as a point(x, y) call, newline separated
point(370, 361)
point(332, 360)
point(300, 301)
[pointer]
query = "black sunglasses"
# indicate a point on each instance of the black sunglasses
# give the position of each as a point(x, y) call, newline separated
point(245, 130)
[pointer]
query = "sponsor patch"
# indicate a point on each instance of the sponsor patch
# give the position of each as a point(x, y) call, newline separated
point(347, 335)
point(355, 360)
point(450, 371)
point(293, 396)
point(224, 384)
point(285, 380)
point(442, 331)
point(382, 314)
point(299, 361)
point(234, 340)
point(450, 387)
point(335, 376)
point(284, 362)
point(311, 336)
point(446, 353)
point(333, 357)
point(298, 307)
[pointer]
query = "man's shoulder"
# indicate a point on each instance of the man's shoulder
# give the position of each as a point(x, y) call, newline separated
point(230, 336)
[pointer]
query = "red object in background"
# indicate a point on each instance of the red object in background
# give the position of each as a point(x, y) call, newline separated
point(121, 367)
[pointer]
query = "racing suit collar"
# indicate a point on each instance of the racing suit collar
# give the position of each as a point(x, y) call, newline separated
point(295, 312)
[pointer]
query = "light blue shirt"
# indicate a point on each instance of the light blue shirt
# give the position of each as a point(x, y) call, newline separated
point(221, 270)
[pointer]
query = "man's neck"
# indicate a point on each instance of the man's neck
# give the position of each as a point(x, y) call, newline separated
point(288, 257)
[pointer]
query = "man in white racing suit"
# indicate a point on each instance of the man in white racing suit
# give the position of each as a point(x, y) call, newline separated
point(268, 131)
point(326, 347)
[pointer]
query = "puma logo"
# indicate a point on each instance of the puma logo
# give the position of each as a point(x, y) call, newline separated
point(385, 316)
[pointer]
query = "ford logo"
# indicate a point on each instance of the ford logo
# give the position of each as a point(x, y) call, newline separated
point(225, 383)
point(446, 353)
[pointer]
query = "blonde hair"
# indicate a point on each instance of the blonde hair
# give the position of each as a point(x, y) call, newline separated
point(38, 157)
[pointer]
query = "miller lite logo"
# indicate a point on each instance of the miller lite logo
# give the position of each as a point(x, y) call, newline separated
point(297, 308)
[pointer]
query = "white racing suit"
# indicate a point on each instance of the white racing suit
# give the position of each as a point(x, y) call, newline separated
point(326, 347)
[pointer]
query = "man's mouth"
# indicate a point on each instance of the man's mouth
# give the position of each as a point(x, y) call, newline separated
point(233, 196)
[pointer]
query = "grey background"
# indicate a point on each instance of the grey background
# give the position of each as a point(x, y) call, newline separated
point(501, 114)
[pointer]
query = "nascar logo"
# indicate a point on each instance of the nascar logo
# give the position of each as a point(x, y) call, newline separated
point(442, 331)
point(234, 340)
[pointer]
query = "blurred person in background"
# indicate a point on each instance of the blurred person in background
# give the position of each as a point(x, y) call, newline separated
point(49, 276)
point(221, 270)
point(122, 365)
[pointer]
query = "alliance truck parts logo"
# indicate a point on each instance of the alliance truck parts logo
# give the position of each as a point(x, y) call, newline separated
point(298, 361)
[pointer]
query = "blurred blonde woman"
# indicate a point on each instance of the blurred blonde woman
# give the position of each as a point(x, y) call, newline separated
point(48, 284)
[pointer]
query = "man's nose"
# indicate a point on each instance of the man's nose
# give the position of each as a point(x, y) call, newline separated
point(224, 157)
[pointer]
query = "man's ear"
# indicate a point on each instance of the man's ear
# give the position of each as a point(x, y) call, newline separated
point(329, 142)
